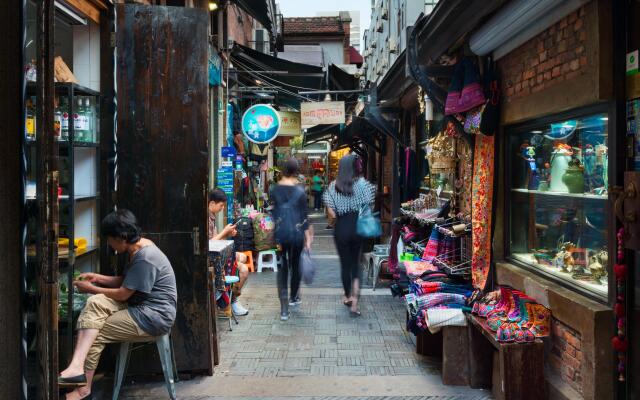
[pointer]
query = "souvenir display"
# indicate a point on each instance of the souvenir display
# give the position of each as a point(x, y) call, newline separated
point(559, 200)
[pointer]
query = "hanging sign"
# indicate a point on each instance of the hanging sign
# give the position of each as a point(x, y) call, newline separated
point(228, 151)
point(215, 69)
point(290, 123)
point(261, 123)
point(323, 112)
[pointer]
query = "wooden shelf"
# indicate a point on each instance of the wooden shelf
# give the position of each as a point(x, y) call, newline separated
point(562, 194)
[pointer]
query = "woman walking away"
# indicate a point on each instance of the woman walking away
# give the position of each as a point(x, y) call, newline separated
point(344, 198)
point(292, 233)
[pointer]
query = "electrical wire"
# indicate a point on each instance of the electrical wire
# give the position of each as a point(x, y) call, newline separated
point(247, 69)
point(270, 85)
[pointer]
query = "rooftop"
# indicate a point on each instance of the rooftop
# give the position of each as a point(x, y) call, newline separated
point(311, 25)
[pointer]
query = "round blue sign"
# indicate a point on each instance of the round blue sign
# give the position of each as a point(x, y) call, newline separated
point(261, 123)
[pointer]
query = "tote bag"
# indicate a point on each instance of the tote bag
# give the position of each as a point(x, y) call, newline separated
point(368, 224)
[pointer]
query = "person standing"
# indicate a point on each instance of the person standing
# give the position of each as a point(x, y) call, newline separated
point(344, 198)
point(292, 233)
point(317, 186)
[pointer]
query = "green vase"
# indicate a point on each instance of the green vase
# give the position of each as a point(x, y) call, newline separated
point(573, 178)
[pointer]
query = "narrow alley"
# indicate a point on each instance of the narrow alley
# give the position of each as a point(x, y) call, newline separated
point(321, 353)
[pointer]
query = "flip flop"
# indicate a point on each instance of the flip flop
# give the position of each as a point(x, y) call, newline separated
point(72, 381)
point(347, 303)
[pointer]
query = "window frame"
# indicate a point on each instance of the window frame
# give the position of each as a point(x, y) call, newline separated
point(518, 128)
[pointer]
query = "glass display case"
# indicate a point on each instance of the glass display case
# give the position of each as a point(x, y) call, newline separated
point(558, 203)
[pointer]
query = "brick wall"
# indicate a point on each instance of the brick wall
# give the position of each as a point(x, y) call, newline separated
point(241, 32)
point(555, 55)
point(565, 358)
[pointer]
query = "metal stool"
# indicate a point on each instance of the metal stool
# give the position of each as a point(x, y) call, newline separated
point(167, 358)
point(228, 281)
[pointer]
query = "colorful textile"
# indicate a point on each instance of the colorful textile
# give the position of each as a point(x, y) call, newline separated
point(393, 249)
point(420, 287)
point(433, 245)
point(482, 189)
point(417, 268)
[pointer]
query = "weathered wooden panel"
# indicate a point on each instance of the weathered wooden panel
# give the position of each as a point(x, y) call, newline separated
point(162, 154)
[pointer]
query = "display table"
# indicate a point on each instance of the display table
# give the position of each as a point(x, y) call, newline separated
point(520, 365)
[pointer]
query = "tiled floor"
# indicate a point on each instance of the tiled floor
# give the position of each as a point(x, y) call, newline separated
point(321, 353)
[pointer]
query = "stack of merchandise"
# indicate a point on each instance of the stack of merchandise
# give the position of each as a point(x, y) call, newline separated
point(514, 316)
point(434, 299)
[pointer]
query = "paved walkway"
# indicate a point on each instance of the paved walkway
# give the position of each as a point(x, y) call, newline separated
point(321, 352)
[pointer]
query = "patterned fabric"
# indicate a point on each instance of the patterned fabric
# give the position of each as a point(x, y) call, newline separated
point(417, 268)
point(482, 189)
point(420, 287)
point(473, 119)
point(433, 245)
point(223, 264)
point(363, 194)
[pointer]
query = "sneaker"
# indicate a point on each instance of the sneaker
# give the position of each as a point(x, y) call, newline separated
point(284, 317)
point(238, 309)
point(328, 228)
point(295, 301)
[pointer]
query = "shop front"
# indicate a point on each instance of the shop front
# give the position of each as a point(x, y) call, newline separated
point(523, 141)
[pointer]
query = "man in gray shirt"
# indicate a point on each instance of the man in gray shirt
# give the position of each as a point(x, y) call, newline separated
point(138, 305)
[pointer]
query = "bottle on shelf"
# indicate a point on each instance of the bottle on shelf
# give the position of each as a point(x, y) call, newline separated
point(30, 120)
point(64, 120)
point(90, 121)
point(79, 122)
point(57, 120)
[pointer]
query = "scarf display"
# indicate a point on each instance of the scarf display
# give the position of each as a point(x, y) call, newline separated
point(416, 269)
point(482, 189)
point(433, 245)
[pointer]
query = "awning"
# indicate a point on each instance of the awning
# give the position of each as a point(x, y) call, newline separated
point(354, 56)
point(320, 132)
point(286, 78)
point(264, 11)
point(339, 79)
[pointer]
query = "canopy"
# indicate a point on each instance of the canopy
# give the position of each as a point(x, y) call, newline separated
point(264, 11)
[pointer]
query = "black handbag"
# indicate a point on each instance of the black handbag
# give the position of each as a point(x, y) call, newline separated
point(491, 113)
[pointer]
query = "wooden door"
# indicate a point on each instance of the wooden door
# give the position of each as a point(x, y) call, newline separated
point(162, 155)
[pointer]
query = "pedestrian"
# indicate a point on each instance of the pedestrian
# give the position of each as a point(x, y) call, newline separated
point(217, 203)
point(344, 198)
point(292, 233)
point(136, 306)
point(317, 186)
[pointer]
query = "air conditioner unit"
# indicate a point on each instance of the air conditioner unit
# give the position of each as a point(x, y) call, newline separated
point(374, 44)
point(230, 43)
point(379, 26)
point(393, 45)
point(385, 12)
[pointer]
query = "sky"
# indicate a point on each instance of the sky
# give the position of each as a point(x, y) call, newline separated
point(307, 8)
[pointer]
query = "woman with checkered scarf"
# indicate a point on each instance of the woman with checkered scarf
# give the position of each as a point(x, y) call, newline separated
point(344, 198)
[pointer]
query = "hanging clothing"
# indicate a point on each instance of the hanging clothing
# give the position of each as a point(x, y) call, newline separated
point(410, 178)
point(481, 223)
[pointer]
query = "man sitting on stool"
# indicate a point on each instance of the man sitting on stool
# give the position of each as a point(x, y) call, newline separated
point(140, 304)
point(217, 201)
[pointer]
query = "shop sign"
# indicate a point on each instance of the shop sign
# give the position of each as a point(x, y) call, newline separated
point(215, 69)
point(632, 62)
point(323, 112)
point(290, 123)
point(228, 151)
point(261, 123)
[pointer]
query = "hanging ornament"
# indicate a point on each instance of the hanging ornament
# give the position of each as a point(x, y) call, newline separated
point(619, 342)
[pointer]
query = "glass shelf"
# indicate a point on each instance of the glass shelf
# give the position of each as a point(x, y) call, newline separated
point(561, 194)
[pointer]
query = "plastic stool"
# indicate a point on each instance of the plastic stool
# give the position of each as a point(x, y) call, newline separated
point(270, 263)
point(228, 281)
point(167, 358)
point(249, 255)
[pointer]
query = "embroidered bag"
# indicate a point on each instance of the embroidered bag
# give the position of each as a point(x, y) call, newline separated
point(368, 224)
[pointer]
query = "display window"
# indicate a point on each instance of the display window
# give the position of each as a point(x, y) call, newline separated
point(557, 173)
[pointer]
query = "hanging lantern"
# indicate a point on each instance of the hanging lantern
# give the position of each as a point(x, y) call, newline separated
point(428, 108)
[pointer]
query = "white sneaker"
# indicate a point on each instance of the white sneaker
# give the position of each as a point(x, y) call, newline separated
point(238, 309)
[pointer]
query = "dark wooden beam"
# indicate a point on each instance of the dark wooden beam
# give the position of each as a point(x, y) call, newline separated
point(12, 88)
point(47, 200)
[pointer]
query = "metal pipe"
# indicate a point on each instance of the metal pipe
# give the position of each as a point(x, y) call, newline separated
point(332, 91)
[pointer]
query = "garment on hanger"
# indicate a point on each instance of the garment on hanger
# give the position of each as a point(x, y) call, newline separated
point(482, 198)
point(410, 175)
